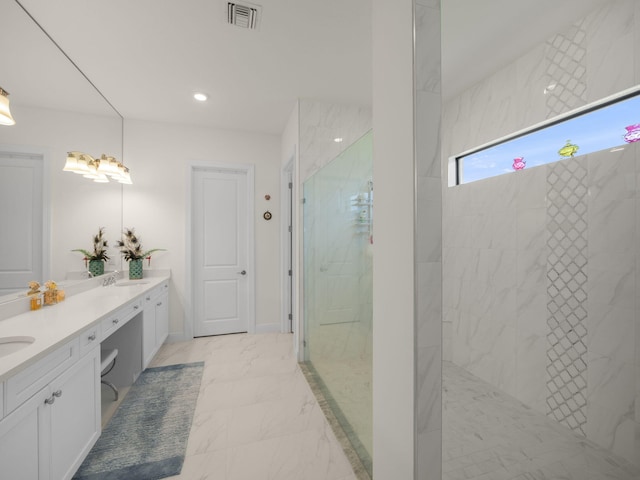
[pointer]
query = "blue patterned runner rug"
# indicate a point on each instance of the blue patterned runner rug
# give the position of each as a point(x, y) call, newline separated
point(147, 437)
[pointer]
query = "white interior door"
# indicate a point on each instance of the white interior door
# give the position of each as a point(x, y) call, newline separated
point(21, 221)
point(222, 267)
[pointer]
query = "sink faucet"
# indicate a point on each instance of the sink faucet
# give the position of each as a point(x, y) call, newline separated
point(89, 274)
point(110, 279)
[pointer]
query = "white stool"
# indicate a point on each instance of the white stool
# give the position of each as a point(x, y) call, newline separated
point(107, 362)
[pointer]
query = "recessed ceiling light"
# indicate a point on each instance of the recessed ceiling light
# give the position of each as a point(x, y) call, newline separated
point(550, 87)
point(338, 139)
point(201, 97)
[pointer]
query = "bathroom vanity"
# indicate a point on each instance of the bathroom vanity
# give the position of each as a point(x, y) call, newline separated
point(50, 407)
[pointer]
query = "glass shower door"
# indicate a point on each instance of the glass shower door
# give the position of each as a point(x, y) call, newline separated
point(338, 254)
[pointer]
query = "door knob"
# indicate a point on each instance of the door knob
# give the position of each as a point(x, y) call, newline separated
point(243, 272)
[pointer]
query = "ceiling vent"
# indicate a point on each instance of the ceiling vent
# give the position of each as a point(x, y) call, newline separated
point(245, 15)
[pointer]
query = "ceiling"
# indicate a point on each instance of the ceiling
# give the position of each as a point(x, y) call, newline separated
point(148, 57)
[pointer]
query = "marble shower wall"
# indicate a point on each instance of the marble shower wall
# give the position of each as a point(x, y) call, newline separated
point(502, 270)
point(428, 241)
point(320, 123)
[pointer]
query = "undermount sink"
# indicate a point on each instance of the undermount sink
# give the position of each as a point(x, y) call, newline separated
point(9, 345)
point(129, 283)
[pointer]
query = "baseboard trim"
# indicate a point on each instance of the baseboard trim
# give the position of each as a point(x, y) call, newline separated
point(176, 337)
point(268, 328)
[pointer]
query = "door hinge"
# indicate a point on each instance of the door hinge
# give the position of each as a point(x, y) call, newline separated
point(304, 343)
point(290, 229)
point(304, 200)
point(290, 316)
point(290, 273)
point(290, 185)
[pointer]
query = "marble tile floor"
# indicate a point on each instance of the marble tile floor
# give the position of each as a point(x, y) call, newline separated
point(489, 435)
point(341, 355)
point(256, 417)
point(342, 426)
point(348, 387)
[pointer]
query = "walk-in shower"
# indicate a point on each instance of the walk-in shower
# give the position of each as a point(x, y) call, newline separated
point(338, 254)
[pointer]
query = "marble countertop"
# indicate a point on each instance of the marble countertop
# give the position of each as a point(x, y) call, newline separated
point(53, 325)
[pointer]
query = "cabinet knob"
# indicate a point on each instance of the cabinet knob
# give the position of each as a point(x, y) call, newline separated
point(52, 398)
point(148, 298)
point(91, 337)
point(135, 307)
point(115, 321)
point(158, 304)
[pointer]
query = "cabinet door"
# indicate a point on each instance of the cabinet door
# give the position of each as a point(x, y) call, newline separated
point(24, 451)
point(75, 415)
point(162, 319)
point(148, 330)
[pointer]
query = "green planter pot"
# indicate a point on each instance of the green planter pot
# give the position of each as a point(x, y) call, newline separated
point(135, 269)
point(96, 267)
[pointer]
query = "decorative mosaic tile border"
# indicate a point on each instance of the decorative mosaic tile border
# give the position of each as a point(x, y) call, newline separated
point(360, 460)
point(566, 293)
point(567, 70)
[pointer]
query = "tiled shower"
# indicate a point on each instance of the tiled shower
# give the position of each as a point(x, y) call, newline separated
point(338, 259)
point(541, 267)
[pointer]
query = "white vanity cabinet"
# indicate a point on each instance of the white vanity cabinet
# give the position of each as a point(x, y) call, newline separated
point(75, 415)
point(48, 435)
point(50, 406)
point(162, 317)
point(23, 449)
point(155, 324)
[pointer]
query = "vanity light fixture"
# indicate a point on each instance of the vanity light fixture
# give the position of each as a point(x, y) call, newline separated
point(77, 162)
point(201, 97)
point(99, 170)
point(5, 113)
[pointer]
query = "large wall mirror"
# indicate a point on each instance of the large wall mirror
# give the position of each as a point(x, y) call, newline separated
point(45, 212)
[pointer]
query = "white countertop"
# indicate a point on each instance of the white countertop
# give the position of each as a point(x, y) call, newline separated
point(53, 325)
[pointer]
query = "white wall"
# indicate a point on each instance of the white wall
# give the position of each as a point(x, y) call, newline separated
point(393, 259)
point(156, 205)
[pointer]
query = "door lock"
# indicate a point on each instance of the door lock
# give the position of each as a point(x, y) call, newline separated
point(243, 272)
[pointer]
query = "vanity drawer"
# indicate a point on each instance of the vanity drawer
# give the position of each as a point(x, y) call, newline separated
point(109, 325)
point(23, 385)
point(89, 338)
point(128, 312)
point(119, 318)
point(156, 292)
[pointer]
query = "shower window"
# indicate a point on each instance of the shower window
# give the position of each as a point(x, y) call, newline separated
point(610, 124)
